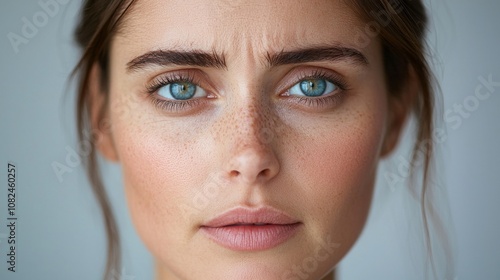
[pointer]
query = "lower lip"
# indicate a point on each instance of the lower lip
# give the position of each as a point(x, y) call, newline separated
point(250, 237)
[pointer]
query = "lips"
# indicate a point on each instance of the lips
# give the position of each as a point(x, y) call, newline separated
point(245, 229)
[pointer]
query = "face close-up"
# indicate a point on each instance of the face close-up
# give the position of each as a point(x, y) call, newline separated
point(248, 132)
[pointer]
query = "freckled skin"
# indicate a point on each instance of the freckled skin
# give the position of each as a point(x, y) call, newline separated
point(251, 147)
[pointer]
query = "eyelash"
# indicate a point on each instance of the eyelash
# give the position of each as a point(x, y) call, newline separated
point(167, 105)
point(330, 99)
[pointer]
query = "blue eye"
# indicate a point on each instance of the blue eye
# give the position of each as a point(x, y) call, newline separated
point(313, 87)
point(181, 90)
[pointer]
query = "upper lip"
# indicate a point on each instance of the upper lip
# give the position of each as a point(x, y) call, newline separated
point(246, 216)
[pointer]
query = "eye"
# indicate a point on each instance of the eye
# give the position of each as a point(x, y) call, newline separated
point(313, 87)
point(181, 90)
point(178, 92)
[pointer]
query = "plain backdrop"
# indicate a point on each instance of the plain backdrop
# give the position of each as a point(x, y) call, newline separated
point(59, 228)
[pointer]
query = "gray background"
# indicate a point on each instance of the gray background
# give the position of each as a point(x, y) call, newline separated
point(59, 232)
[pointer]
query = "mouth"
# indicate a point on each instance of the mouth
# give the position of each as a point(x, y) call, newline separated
point(251, 230)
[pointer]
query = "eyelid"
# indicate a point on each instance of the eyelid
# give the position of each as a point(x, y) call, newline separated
point(168, 105)
point(175, 76)
point(199, 78)
point(298, 74)
point(327, 90)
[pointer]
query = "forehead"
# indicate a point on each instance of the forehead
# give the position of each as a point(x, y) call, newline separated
point(238, 25)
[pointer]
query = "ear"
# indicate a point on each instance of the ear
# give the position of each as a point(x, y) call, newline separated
point(399, 109)
point(99, 115)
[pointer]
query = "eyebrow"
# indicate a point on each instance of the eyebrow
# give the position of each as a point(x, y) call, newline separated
point(317, 54)
point(171, 57)
point(216, 60)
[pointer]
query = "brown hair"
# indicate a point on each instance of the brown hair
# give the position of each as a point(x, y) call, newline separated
point(402, 33)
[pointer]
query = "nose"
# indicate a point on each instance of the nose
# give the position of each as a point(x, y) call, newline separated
point(252, 166)
point(251, 157)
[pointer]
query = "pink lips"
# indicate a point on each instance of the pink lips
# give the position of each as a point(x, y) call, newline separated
point(251, 230)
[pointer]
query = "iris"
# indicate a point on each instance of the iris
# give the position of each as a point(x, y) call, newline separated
point(179, 90)
point(313, 87)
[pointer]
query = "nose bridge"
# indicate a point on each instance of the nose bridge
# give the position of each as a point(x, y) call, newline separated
point(250, 156)
point(253, 121)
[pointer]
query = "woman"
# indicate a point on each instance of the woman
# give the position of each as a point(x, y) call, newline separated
point(249, 132)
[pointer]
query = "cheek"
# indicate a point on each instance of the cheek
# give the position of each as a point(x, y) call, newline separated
point(161, 170)
point(338, 173)
point(348, 154)
point(151, 171)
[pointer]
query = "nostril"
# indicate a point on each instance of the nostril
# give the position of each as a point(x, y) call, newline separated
point(265, 172)
point(250, 165)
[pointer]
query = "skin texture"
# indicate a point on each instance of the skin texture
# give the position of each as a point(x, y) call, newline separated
point(247, 144)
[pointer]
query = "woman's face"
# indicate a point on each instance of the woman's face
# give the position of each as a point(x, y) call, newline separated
point(248, 132)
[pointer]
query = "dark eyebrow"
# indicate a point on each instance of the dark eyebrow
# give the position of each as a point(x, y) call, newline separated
point(168, 57)
point(317, 54)
point(205, 59)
